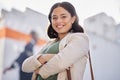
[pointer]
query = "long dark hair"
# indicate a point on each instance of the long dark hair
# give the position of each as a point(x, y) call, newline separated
point(70, 8)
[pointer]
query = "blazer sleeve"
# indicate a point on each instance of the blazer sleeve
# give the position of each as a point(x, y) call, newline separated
point(31, 64)
point(76, 48)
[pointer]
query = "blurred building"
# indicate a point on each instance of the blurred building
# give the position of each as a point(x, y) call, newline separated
point(104, 35)
point(25, 21)
point(15, 27)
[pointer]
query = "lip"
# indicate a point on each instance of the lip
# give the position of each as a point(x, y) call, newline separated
point(60, 26)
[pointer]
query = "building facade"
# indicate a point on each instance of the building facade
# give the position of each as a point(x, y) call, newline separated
point(104, 35)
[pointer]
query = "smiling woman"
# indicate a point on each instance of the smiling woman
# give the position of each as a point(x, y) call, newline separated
point(67, 52)
point(61, 21)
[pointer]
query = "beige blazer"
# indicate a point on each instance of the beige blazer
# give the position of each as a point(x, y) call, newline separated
point(73, 53)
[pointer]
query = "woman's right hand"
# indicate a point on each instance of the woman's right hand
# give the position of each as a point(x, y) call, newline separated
point(47, 57)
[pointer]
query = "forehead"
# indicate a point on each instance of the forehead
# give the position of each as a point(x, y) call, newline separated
point(59, 11)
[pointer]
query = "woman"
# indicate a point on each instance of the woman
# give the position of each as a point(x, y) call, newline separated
point(71, 45)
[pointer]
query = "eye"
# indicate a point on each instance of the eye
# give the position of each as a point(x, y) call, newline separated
point(54, 18)
point(63, 17)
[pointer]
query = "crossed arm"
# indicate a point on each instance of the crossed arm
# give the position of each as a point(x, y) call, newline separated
point(36, 61)
point(78, 45)
point(42, 59)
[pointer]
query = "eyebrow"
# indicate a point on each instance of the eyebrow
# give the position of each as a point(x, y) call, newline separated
point(60, 15)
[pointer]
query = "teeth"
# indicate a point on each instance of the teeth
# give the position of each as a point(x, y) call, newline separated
point(59, 26)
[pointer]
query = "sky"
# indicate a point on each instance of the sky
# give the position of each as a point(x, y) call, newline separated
point(84, 8)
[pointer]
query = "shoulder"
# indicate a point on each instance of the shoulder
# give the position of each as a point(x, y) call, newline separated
point(75, 38)
point(78, 36)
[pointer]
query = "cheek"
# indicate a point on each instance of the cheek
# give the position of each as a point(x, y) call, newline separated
point(53, 26)
point(68, 27)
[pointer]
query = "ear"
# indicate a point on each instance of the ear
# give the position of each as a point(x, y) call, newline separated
point(73, 19)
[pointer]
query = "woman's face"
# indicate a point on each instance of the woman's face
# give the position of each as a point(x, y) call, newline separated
point(61, 20)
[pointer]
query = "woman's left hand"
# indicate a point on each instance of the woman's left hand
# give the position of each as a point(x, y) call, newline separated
point(34, 75)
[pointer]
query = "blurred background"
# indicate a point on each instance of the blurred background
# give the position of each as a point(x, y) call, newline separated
point(99, 18)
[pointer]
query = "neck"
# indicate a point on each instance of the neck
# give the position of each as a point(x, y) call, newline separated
point(61, 36)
